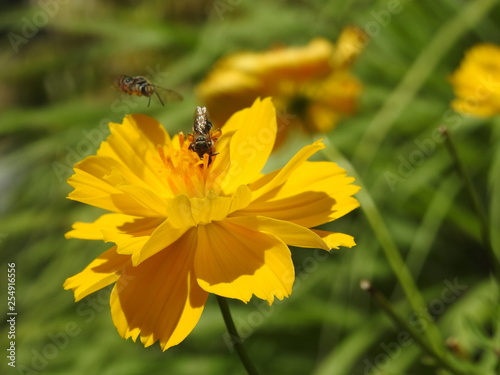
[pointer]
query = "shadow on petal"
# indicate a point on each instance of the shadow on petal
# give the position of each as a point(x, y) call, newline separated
point(159, 299)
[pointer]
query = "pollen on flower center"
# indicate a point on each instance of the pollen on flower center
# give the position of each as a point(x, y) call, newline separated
point(186, 173)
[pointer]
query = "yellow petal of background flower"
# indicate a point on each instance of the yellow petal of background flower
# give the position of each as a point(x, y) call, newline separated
point(475, 82)
point(236, 262)
point(329, 100)
point(321, 118)
point(159, 299)
point(103, 270)
point(290, 233)
point(288, 75)
point(350, 43)
point(252, 132)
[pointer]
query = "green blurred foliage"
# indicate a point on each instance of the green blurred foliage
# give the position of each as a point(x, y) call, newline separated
point(59, 59)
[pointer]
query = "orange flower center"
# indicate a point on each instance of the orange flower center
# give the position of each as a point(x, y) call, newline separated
point(186, 173)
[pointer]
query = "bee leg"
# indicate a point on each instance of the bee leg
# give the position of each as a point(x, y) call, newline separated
point(159, 97)
point(149, 101)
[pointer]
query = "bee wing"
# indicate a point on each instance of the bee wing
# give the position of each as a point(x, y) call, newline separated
point(167, 96)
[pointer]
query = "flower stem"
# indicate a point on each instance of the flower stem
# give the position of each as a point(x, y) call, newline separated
point(391, 251)
point(469, 187)
point(399, 321)
point(236, 340)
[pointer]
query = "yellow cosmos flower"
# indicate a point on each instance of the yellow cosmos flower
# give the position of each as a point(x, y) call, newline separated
point(476, 82)
point(183, 227)
point(312, 86)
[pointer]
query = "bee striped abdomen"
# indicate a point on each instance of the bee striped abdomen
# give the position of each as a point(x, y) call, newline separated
point(140, 86)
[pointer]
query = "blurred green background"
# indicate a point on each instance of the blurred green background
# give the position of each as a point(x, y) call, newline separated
point(58, 60)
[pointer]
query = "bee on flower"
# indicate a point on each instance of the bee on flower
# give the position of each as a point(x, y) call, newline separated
point(203, 137)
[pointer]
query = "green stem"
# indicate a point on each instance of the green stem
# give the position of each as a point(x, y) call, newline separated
point(390, 250)
point(236, 340)
point(480, 212)
point(399, 321)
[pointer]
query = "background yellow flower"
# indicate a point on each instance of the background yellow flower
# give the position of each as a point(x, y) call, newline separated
point(312, 86)
point(183, 229)
point(476, 82)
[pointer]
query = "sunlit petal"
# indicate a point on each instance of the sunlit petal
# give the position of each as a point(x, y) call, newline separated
point(253, 132)
point(134, 144)
point(290, 233)
point(99, 181)
point(334, 240)
point(101, 272)
point(236, 262)
point(314, 194)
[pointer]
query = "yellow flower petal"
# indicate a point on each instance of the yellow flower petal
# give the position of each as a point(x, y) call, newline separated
point(103, 270)
point(164, 236)
point(289, 75)
point(475, 82)
point(100, 181)
point(129, 233)
point(274, 180)
point(334, 240)
point(184, 213)
point(93, 231)
point(134, 144)
point(252, 132)
point(147, 198)
point(229, 86)
point(320, 118)
point(189, 212)
point(314, 194)
point(236, 262)
point(159, 299)
point(290, 233)
point(350, 43)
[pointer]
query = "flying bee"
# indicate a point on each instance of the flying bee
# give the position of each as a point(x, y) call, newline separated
point(141, 86)
point(203, 138)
